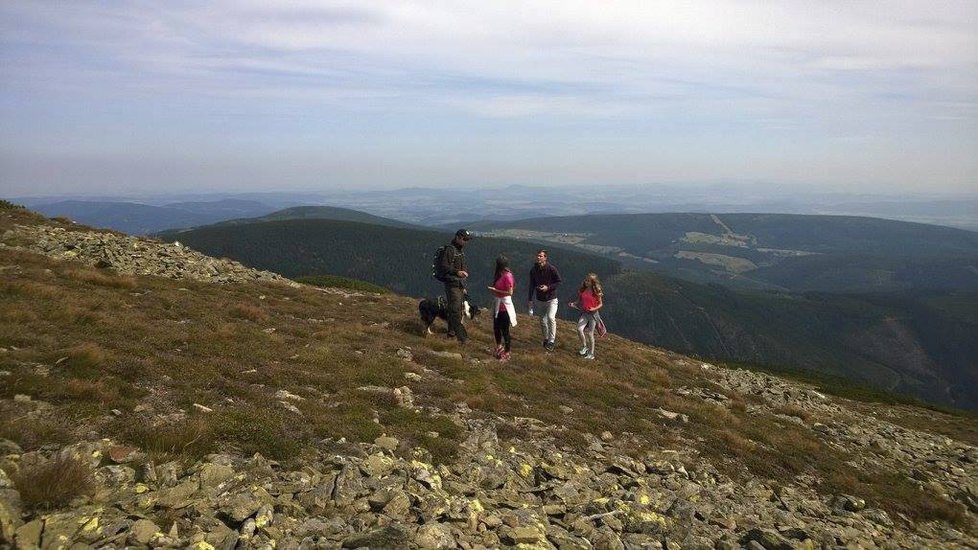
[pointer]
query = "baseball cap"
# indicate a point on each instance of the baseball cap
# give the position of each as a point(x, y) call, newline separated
point(463, 234)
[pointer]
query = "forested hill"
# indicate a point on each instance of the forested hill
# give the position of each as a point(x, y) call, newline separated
point(323, 213)
point(916, 343)
point(397, 258)
point(775, 251)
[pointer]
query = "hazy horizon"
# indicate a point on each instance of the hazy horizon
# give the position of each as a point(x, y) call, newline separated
point(321, 97)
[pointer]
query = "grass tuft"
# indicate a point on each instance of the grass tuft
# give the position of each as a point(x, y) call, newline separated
point(54, 483)
point(192, 437)
point(86, 357)
point(101, 278)
point(247, 312)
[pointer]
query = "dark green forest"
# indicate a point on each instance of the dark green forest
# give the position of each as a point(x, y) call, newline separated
point(916, 344)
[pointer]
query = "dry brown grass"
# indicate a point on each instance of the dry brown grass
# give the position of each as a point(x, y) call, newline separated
point(86, 357)
point(32, 433)
point(101, 278)
point(54, 483)
point(792, 410)
point(192, 437)
point(247, 312)
point(96, 391)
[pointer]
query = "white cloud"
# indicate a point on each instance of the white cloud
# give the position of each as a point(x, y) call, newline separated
point(798, 70)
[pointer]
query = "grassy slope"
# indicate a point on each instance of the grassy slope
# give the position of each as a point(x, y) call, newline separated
point(88, 341)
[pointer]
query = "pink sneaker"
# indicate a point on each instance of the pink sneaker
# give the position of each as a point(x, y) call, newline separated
point(504, 356)
point(499, 352)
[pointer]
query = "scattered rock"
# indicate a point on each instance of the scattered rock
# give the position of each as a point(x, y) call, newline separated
point(143, 531)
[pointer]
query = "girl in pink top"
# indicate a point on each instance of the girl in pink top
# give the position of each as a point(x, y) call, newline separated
point(590, 300)
point(504, 313)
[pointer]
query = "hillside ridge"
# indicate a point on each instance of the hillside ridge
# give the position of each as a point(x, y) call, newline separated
point(369, 435)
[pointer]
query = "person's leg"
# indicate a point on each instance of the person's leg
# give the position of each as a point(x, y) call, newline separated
point(497, 329)
point(552, 321)
point(504, 327)
point(581, 323)
point(455, 296)
point(542, 312)
point(591, 324)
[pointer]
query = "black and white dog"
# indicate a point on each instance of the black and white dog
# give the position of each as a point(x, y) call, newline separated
point(431, 309)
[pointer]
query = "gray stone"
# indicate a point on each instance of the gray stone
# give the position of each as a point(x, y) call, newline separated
point(606, 539)
point(241, 506)
point(377, 465)
point(9, 513)
point(29, 535)
point(392, 537)
point(264, 516)
point(434, 536)
point(768, 539)
point(387, 443)
point(523, 535)
point(143, 531)
point(211, 475)
point(399, 505)
point(116, 475)
point(176, 497)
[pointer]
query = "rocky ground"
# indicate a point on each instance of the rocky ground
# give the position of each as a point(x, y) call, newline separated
point(131, 255)
point(523, 491)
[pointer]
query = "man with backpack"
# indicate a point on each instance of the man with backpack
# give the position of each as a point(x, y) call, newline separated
point(451, 269)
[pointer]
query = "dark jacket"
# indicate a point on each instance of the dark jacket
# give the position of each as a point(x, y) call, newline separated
point(547, 275)
point(453, 261)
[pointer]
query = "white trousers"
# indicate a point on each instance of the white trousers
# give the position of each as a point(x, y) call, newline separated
point(548, 319)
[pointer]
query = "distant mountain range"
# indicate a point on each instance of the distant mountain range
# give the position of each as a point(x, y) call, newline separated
point(914, 339)
point(463, 204)
point(144, 219)
point(323, 213)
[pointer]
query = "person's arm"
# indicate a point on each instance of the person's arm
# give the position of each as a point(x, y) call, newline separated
point(600, 304)
point(447, 264)
point(556, 279)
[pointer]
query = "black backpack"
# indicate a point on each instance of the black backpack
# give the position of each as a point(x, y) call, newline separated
point(436, 264)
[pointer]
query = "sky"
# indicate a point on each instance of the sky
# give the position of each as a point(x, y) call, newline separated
point(113, 97)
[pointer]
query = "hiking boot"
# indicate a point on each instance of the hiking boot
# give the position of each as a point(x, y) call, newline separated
point(589, 357)
point(550, 346)
point(583, 351)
